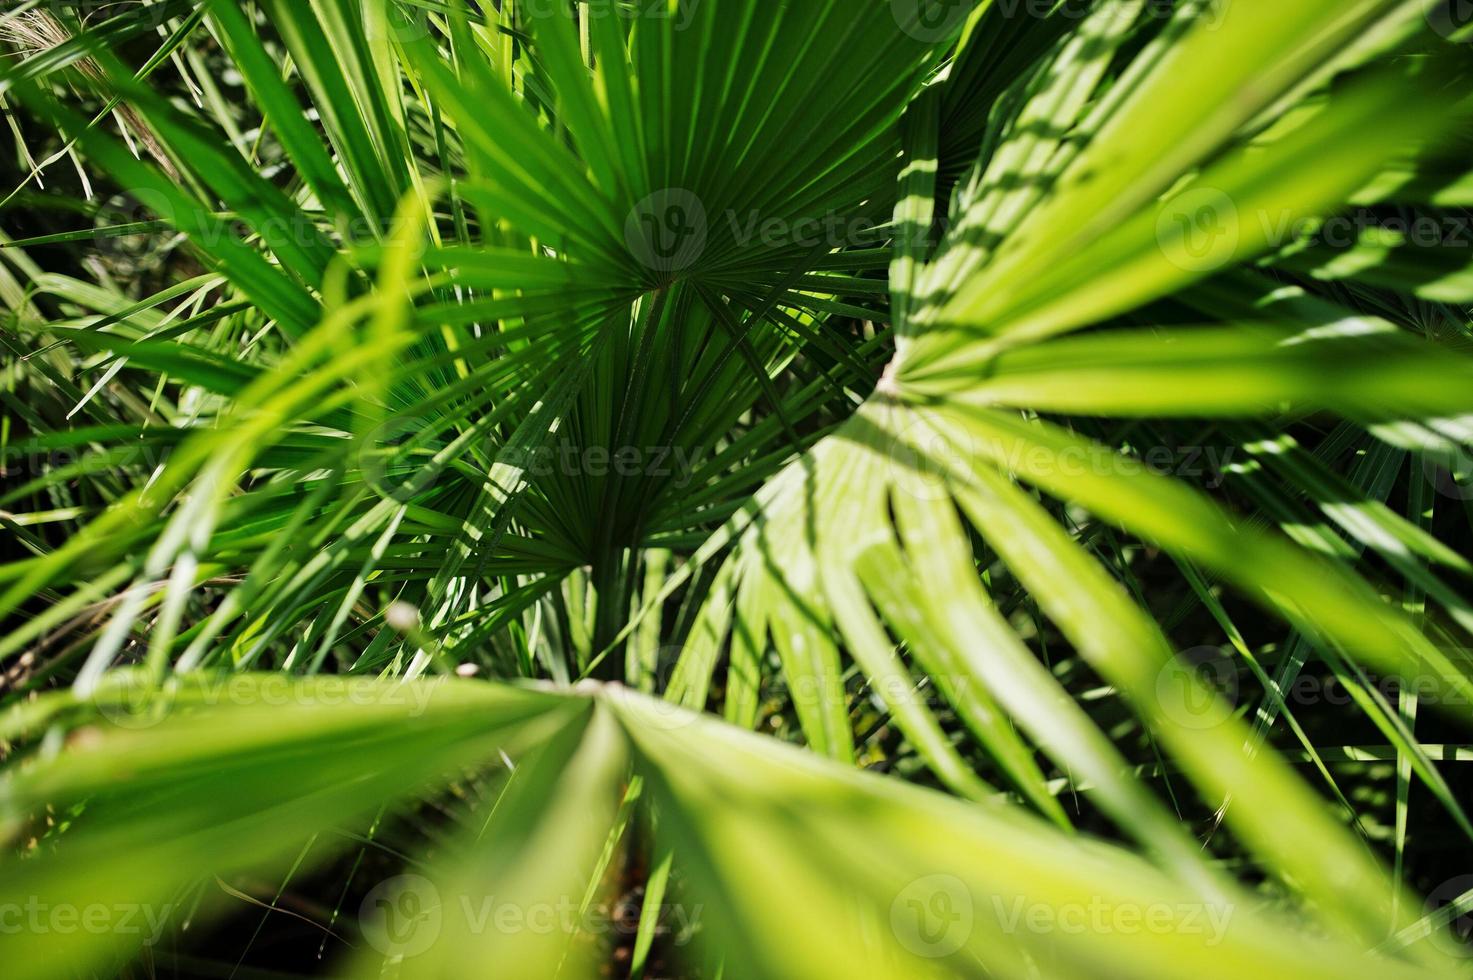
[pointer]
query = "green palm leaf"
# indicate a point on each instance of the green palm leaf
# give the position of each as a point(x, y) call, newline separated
point(798, 361)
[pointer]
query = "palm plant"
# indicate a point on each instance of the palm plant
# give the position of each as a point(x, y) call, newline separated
point(527, 379)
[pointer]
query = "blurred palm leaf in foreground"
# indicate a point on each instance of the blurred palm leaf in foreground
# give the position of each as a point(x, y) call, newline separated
point(802, 362)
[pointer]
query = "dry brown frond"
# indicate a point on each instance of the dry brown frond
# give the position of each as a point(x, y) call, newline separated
point(36, 31)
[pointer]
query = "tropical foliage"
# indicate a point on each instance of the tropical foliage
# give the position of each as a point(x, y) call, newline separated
point(420, 418)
